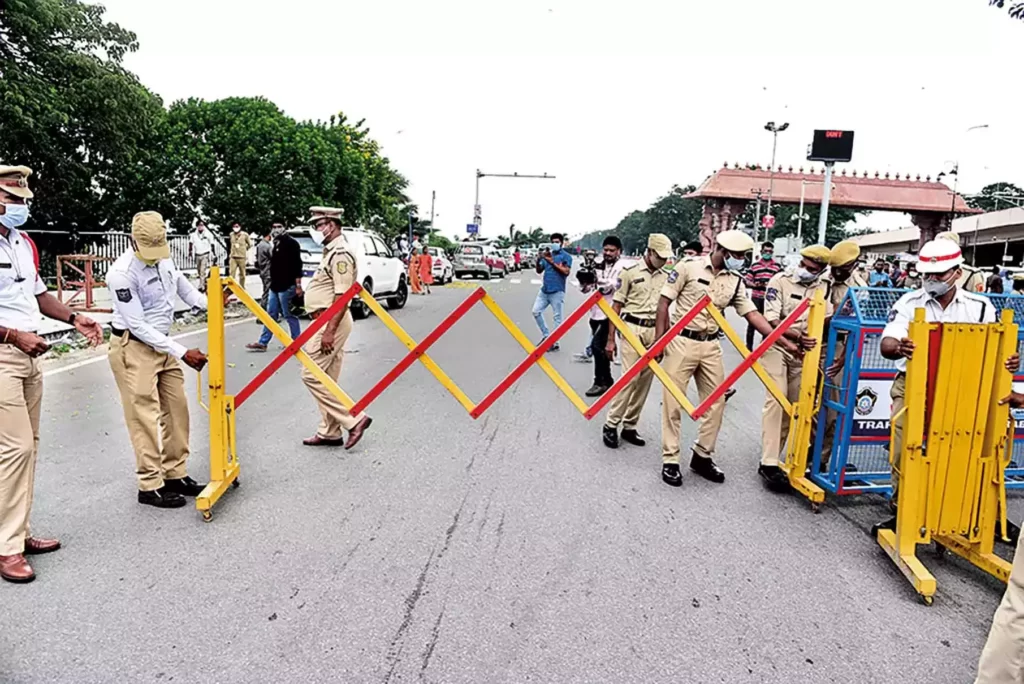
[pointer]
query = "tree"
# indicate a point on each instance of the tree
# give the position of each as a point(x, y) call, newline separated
point(1016, 10)
point(72, 113)
point(997, 196)
point(786, 222)
point(673, 215)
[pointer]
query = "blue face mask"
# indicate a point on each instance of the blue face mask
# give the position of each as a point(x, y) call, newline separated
point(734, 264)
point(555, 247)
point(14, 215)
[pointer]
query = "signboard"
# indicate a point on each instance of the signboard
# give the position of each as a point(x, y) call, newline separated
point(472, 228)
point(476, 214)
point(831, 146)
point(768, 221)
point(872, 410)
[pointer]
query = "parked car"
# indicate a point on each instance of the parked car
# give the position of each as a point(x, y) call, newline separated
point(478, 260)
point(442, 268)
point(380, 272)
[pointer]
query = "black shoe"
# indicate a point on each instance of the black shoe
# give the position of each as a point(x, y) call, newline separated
point(729, 392)
point(162, 499)
point(596, 390)
point(706, 468)
point(611, 437)
point(185, 486)
point(889, 524)
point(774, 478)
point(629, 435)
point(670, 475)
point(554, 347)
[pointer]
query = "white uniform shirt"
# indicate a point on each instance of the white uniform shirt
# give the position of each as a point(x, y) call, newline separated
point(607, 283)
point(201, 242)
point(143, 298)
point(966, 307)
point(19, 284)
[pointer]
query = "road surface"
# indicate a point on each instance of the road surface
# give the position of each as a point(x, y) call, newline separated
point(515, 548)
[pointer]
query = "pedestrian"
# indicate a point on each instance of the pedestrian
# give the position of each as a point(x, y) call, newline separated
point(414, 271)
point(556, 264)
point(692, 249)
point(239, 254)
point(880, 276)
point(636, 302)
point(607, 273)
point(995, 282)
point(940, 261)
point(200, 246)
point(517, 258)
point(426, 269)
point(1018, 283)
point(756, 279)
point(284, 285)
point(23, 297)
point(697, 351)
point(335, 275)
point(971, 279)
point(913, 281)
point(144, 284)
point(264, 248)
point(784, 293)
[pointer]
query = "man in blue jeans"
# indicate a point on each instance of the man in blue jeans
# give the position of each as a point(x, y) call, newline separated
point(285, 283)
point(555, 264)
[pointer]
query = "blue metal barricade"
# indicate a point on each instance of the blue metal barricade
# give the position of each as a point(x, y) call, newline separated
point(858, 460)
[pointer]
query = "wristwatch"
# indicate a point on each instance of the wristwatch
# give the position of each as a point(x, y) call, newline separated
point(71, 318)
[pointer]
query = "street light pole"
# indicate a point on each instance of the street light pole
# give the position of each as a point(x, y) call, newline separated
point(826, 194)
point(480, 174)
point(775, 130)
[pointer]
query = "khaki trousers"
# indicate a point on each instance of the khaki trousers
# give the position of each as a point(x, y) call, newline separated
point(238, 270)
point(152, 387)
point(627, 404)
point(897, 394)
point(21, 394)
point(334, 417)
point(1002, 659)
point(202, 270)
point(785, 370)
point(686, 358)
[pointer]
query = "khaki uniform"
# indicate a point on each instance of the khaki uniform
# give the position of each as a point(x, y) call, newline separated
point(971, 280)
point(839, 291)
point(697, 351)
point(336, 273)
point(782, 296)
point(1002, 660)
point(638, 292)
point(240, 244)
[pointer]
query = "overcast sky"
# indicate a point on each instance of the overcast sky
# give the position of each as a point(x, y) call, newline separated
point(618, 100)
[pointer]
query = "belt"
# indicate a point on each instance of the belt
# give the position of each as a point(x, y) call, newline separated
point(700, 337)
point(642, 322)
point(114, 332)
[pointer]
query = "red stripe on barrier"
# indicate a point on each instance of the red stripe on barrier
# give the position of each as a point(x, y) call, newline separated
point(640, 365)
point(745, 365)
point(419, 350)
point(537, 353)
point(297, 343)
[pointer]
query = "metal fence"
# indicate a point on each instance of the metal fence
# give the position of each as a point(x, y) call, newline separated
point(53, 243)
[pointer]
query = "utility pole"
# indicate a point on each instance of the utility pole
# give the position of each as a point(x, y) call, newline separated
point(433, 198)
point(480, 174)
point(826, 194)
point(775, 130)
point(757, 213)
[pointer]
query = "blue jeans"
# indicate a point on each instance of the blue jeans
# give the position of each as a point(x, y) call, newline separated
point(544, 300)
point(280, 305)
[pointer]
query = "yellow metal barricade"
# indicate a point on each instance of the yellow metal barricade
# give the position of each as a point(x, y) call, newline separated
point(951, 488)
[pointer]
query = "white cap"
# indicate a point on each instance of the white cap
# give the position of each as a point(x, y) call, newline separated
point(938, 256)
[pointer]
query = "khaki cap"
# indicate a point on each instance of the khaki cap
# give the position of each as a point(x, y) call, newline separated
point(14, 180)
point(661, 245)
point(819, 253)
point(735, 240)
point(844, 252)
point(325, 212)
point(150, 235)
point(948, 235)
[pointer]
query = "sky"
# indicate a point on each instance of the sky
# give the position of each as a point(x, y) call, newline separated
point(618, 101)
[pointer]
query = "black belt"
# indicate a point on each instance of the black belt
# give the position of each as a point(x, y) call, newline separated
point(114, 332)
point(700, 337)
point(642, 322)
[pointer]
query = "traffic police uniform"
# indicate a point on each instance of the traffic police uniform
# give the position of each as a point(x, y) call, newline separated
point(145, 361)
point(240, 244)
point(971, 279)
point(783, 295)
point(697, 351)
point(334, 276)
point(638, 292)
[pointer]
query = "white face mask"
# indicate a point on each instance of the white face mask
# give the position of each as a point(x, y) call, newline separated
point(317, 236)
point(237, 229)
point(14, 215)
point(806, 277)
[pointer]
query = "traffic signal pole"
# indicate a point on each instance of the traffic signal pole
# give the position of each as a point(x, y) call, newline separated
point(480, 174)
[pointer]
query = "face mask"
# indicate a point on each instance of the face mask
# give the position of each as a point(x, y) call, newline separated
point(805, 277)
point(237, 229)
point(276, 232)
point(734, 264)
point(555, 247)
point(15, 215)
point(936, 288)
point(317, 236)
point(766, 257)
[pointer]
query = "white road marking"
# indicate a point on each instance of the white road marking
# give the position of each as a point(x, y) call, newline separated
point(103, 357)
point(536, 281)
point(515, 281)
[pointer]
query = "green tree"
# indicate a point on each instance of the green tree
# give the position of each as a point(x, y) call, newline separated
point(1016, 10)
point(786, 222)
point(72, 113)
point(997, 196)
point(673, 215)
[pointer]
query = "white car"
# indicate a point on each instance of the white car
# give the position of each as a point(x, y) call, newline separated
point(380, 272)
point(441, 267)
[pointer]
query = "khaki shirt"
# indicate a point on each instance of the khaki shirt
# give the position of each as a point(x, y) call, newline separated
point(784, 294)
point(638, 290)
point(336, 273)
point(839, 290)
point(693, 278)
point(240, 244)
point(971, 280)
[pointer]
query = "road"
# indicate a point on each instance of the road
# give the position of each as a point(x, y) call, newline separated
point(514, 548)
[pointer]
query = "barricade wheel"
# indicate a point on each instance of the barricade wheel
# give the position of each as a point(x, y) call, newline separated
point(815, 507)
point(927, 600)
point(236, 484)
point(207, 516)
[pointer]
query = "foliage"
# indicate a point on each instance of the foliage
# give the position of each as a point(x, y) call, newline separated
point(997, 196)
point(1016, 10)
point(786, 222)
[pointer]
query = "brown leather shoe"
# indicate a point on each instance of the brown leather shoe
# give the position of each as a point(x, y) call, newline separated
point(36, 546)
point(16, 569)
point(356, 433)
point(317, 440)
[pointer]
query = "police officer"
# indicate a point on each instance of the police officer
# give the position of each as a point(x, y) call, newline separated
point(23, 297)
point(697, 351)
point(636, 301)
point(971, 279)
point(144, 284)
point(784, 293)
point(334, 276)
point(239, 254)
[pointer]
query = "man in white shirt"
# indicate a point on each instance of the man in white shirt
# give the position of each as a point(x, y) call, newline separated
point(143, 285)
point(200, 245)
point(23, 297)
point(605, 279)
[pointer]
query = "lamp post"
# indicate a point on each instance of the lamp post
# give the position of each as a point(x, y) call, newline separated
point(775, 130)
point(480, 174)
point(955, 172)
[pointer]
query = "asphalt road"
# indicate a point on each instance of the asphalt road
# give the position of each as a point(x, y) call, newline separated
point(514, 548)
